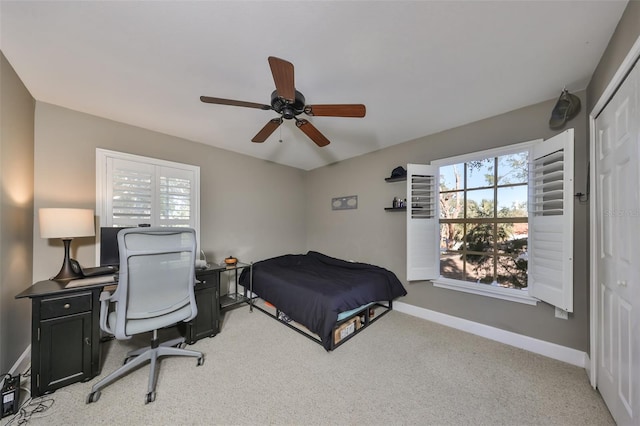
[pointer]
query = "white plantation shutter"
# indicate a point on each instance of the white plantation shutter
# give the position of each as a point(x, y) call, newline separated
point(423, 238)
point(133, 190)
point(130, 194)
point(175, 196)
point(551, 221)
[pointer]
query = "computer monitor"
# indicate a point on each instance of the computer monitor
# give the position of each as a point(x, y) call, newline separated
point(109, 253)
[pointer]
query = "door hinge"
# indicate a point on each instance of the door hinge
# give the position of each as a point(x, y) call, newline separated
point(38, 334)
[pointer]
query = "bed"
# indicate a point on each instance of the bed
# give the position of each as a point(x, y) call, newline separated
point(333, 299)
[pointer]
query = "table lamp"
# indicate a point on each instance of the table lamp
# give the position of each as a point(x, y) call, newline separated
point(66, 224)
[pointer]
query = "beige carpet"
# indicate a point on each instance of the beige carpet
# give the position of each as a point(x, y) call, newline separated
point(401, 370)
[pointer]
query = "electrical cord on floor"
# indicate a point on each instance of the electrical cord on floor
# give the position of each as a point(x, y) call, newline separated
point(31, 408)
point(27, 372)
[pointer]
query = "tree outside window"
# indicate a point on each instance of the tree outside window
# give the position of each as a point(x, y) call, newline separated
point(484, 221)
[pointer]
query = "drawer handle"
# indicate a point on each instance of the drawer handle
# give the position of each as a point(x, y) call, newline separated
point(66, 306)
point(87, 341)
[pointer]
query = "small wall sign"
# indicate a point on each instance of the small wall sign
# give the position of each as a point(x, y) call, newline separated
point(344, 203)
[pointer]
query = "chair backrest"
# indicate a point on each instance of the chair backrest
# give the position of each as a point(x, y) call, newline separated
point(157, 278)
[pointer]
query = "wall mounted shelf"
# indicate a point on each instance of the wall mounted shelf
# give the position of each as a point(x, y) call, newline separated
point(396, 179)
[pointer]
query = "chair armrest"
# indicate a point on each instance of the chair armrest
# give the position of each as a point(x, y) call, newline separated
point(105, 300)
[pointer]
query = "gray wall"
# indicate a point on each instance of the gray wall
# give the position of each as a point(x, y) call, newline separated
point(16, 213)
point(250, 208)
point(625, 35)
point(373, 235)
point(254, 209)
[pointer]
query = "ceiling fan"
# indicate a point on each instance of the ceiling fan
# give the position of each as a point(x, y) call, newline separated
point(290, 103)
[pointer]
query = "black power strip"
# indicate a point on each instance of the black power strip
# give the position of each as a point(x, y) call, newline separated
point(10, 396)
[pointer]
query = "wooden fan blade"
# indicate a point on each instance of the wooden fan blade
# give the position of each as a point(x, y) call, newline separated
point(313, 133)
point(266, 131)
point(283, 78)
point(340, 110)
point(220, 101)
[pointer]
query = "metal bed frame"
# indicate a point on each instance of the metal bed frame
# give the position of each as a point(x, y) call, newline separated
point(363, 312)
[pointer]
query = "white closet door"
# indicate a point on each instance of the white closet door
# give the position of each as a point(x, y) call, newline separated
point(618, 251)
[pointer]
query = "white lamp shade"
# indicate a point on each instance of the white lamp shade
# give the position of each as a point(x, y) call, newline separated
point(66, 223)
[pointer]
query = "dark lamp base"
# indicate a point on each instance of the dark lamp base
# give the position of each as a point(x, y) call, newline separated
point(70, 268)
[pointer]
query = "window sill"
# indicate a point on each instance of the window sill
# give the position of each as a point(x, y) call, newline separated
point(510, 294)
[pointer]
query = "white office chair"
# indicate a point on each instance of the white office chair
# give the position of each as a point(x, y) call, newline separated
point(155, 290)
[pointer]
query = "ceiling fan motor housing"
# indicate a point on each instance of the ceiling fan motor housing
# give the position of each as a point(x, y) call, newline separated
point(288, 110)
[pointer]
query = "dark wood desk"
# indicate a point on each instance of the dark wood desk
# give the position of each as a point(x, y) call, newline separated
point(65, 328)
point(65, 334)
point(207, 322)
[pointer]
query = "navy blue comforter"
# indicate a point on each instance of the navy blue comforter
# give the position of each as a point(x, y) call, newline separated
point(312, 289)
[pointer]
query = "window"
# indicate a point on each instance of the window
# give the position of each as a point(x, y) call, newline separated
point(483, 220)
point(132, 190)
point(502, 225)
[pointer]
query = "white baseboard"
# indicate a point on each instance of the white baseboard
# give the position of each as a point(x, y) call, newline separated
point(541, 347)
point(21, 365)
point(588, 370)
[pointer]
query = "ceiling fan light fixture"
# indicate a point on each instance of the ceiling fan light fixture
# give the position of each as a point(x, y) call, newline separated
point(288, 112)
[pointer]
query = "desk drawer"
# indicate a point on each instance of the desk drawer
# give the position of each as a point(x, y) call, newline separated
point(65, 305)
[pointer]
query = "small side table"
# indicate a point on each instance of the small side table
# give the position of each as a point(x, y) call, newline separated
point(210, 303)
point(235, 298)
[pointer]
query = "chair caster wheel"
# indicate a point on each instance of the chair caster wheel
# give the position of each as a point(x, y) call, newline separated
point(93, 397)
point(200, 360)
point(151, 396)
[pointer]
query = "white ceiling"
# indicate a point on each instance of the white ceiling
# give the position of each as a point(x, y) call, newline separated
point(419, 67)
